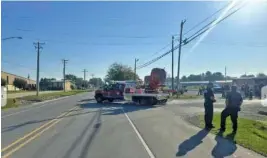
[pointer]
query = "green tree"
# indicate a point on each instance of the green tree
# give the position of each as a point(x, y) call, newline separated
point(261, 75)
point(20, 83)
point(96, 82)
point(208, 76)
point(184, 78)
point(120, 72)
point(71, 77)
point(44, 83)
point(217, 76)
point(3, 82)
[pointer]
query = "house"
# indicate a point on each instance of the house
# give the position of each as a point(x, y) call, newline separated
point(59, 85)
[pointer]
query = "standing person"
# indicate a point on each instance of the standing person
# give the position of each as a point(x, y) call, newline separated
point(208, 105)
point(233, 102)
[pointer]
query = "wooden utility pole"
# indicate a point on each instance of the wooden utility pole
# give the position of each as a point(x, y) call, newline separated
point(172, 63)
point(135, 61)
point(38, 46)
point(64, 73)
point(84, 74)
point(225, 74)
point(179, 56)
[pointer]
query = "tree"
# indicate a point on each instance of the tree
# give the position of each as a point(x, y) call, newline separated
point(20, 83)
point(71, 77)
point(261, 75)
point(44, 83)
point(245, 75)
point(208, 75)
point(3, 82)
point(120, 72)
point(184, 78)
point(217, 76)
point(96, 82)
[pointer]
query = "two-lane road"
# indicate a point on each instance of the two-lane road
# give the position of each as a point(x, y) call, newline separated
point(78, 127)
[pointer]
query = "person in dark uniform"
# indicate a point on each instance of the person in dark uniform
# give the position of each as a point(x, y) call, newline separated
point(233, 102)
point(208, 105)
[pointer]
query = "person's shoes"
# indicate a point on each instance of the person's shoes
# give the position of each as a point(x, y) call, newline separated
point(212, 126)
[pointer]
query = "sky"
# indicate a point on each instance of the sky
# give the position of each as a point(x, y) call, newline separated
point(93, 35)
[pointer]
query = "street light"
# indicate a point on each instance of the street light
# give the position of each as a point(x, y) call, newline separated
point(3, 39)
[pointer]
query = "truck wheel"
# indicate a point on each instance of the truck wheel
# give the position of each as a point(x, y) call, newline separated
point(154, 101)
point(110, 100)
point(99, 99)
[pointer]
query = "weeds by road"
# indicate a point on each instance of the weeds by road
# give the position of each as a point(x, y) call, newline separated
point(250, 134)
point(16, 102)
point(20, 91)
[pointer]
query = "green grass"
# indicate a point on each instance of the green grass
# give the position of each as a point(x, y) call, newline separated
point(10, 103)
point(193, 87)
point(185, 96)
point(40, 98)
point(250, 134)
point(20, 91)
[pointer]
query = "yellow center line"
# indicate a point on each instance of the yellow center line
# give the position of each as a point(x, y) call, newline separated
point(37, 129)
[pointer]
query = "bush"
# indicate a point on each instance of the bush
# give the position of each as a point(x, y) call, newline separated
point(72, 87)
point(20, 83)
point(3, 82)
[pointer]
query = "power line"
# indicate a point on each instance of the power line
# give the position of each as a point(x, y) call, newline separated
point(227, 16)
point(204, 20)
point(192, 38)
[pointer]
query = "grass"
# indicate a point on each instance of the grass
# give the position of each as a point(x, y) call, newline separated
point(12, 103)
point(250, 134)
point(193, 87)
point(20, 91)
point(185, 96)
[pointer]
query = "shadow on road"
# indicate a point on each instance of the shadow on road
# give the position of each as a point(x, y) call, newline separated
point(110, 109)
point(117, 108)
point(83, 134)
point(13, 127)
point(191, 143)
point(224, 147)
point(84, 100)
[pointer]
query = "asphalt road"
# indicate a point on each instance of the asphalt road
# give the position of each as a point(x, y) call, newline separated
point(22, 94)
point(110, 130)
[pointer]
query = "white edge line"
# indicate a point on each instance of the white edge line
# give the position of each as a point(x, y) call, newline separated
point(151, 155)
point(32, 107)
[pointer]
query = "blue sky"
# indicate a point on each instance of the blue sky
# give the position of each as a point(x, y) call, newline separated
point(93, 35)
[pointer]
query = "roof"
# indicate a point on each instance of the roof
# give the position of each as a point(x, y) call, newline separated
point(60, 80)
point(17, 76)
point(252, 78)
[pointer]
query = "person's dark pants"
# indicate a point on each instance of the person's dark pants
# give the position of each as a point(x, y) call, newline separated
point(233, 113)
point(208, 115)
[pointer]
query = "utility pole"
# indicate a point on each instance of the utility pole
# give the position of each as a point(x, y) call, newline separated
point(64, 73)
point(172, 62)
point(180, 48)
point(135, 61)
point(84, 74)
point(38, 46)
point(225, 74)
